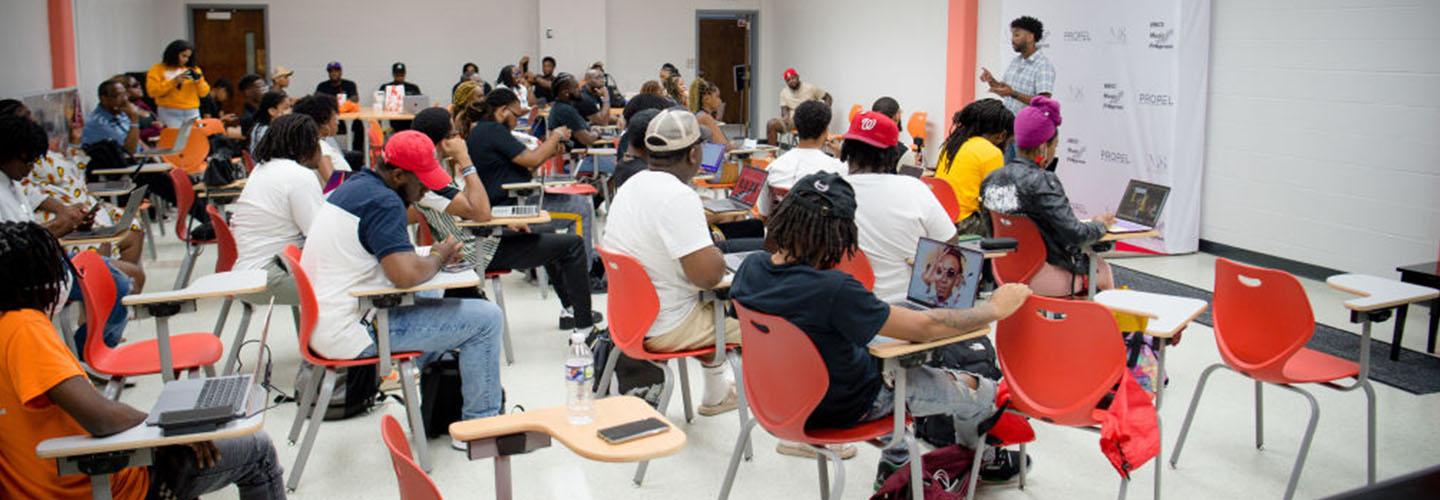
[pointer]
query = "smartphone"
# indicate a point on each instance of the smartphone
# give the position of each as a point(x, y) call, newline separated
point(459, 267)
point(633, 430)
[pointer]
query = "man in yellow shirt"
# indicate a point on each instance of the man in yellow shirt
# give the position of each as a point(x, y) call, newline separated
point(973, 150)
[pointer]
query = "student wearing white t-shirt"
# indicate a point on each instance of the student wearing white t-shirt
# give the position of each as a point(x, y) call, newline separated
point(895, 211)
point(659, 220)
point(811, 120)
point(326, 113)
point(278, 203)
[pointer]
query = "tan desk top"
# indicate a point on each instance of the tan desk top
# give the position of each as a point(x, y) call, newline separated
point(142, 436)
point(149, 168)
point(370, 114)
point(505, 221)
point(1168, 314)
point(582, 439)
point(535, 184)
point(214, 285)
point(240, 184)
point(94, 241)
point(1378, 293)
point(896, 348)
point(1130, 236)
point(599, 151)
point(442, 281)
point(759, 148)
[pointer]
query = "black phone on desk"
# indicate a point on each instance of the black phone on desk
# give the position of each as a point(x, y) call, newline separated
point(633, 430)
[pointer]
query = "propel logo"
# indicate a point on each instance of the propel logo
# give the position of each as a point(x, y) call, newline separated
point(1077, 94)
point(1160, 36)
point(1113, 96)
point(1079, 36)
point(1115, 157)
point(1075, 151)
point(1117, 36)
point(1145, 99)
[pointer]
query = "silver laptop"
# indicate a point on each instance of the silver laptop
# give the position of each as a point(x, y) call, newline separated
point(182, 137)
point(1140, 207)
point(943, 276)
point(415, 103)
point(733, 260)
point(132, 207)
point(110, 186)
point(242, 393)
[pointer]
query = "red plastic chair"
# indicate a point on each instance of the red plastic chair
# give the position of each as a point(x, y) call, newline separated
point(1262, 323)
point(188, 351)
point(225, 240)
point(249, 161)
point(184, 200)
point(1021, 264)
point(312, 406)
point(375, 137)
point(415, 484)
point(1085, 336)
point(632, 308)
point(785, 379)
point(857, 265)
point(946, 195)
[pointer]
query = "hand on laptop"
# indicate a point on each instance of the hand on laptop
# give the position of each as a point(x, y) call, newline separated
point(1008, 298)
point(448, 251)
point(1108, 219)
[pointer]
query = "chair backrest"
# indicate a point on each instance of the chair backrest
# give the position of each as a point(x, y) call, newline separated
point(415, 484)
point(225, 260)
point(633, 304)
point(98, 290)
point(855, 109)
point(1059, 369)
point(916, 125)
point(184, 198)
point(785, 377)
point(1262, 318)
point(946, 195)
point(1021, 264)
point(309, 308)
point(857, 265)
point(196, 147)
point(375, 138)
point(249, 161)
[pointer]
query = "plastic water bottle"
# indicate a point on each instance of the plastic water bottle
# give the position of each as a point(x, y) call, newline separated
point(579, 377)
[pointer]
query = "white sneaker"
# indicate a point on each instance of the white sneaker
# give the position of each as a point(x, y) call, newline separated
point(459, 445)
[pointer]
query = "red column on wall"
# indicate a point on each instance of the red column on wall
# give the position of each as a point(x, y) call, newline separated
point(960, 76)
point(62, 43)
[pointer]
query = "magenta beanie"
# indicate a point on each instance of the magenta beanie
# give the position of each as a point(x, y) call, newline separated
point(1035, 124)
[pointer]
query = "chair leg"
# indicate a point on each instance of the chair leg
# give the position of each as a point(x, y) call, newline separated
point(149, 229)
point(224, 315)
point(1369, 432)
point(665, 394)
point(604, 388)
point(974, 478)
point(1259, 415)
point(741, 444)
point(209, 370)
point(1124, 486)
point(246, 311)
point(542, 279)
point(295, 315)
point(1304, 442)
point(114, 388)
point(1023, 465)
point(317, 416)
point(418, 440)
point(508, 344)
point(187, 265)
point(743, 409)
point(1190, 414)
point(305, 396)
point(685, 389)
point(837, 489)
point(824, 475)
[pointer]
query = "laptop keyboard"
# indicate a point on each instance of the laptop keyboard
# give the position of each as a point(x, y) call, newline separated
point(226, 391)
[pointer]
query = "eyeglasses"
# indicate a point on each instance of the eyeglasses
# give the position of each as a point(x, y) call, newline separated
point(948, 273)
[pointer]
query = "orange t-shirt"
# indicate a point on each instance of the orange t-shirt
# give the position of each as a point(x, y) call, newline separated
point(32, 361)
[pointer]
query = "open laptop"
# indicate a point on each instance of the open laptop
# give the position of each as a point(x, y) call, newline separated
point(711, 155)
point(131, 208)
point(745, 193)
point(415, 103)
point(111, 186)
point(733, 260)
point(943, 276)
point(242, 393)
point(1140, 207)
point(182, 138)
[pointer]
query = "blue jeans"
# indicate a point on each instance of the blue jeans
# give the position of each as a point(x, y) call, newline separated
point(587, 165)
point(248, 462)
point(435, 326)
point(115, 324)
point(583, 205)
point(936, 391)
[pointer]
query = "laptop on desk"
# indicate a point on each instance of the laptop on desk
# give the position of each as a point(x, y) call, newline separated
point(943, 276)
point(131, 208)
point(745, 193)
point(1140, 207)
point(244, 394)
point(733, 260)
point(111, 186)
point(711, 156)
point(416, 103)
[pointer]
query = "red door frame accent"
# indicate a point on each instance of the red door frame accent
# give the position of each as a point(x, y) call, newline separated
point(62, 43)
point(960, 57)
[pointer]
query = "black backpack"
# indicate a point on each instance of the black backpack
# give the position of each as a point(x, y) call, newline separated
point(357, 390)
point(440, 397)
point(105, 154)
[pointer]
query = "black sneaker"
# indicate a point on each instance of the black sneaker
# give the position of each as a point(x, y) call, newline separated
point(885, 470)
point(1004, 468)
point(599, 286)
point(567, 321)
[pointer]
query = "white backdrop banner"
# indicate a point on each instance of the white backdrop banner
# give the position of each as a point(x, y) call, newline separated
point(1131, 77)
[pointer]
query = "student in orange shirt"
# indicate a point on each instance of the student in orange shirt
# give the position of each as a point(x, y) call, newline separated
point(973, 150)
point(44, 394)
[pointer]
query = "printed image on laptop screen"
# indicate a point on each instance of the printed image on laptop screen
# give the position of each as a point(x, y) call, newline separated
point(711, 154)
point(748, 186)
point(1142, 202)
point(938, 278)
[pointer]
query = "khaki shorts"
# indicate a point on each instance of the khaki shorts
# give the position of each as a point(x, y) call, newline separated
point(696, 331)
point(278, 284)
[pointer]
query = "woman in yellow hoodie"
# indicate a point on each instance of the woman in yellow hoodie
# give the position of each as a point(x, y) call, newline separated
point(177, 85)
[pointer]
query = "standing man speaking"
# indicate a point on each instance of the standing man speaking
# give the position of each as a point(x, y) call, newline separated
point(1029, 74)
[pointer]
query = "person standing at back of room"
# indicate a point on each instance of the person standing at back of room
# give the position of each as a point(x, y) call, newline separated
point(177, 84)
point(1030, 74)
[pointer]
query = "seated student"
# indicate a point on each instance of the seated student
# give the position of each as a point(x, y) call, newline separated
point(44, 394)
point(631, 149)
point(595, 97)
point(659, 220)
point(810, 233)
point(273, 104)
point(895, 210)
point(397, 73)
point(889, 107)
point(359, 238)
point(22, 142)
point(114, 118)
point(278, 203)
point(972, 151)
point(812, 119)
point(150, 126)
point(325, 112)
point(575, 111)
point(705, 103)
point(563, 255)
point(513, 78)
point(1028, 186)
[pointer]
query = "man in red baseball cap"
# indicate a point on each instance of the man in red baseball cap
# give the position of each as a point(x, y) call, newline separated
point(794, 93)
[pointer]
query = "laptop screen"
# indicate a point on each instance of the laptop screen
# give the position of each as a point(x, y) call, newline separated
point(711, 154)
point(748, 187)
point(944, 275)
point(1142, 203)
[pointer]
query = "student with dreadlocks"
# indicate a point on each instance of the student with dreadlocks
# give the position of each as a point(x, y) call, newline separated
point(971, 152)
point(44, 394)
point(278, 202)
point(812, 230)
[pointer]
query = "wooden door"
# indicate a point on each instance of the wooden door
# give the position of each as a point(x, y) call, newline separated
point(229, 44)
point(725, 44)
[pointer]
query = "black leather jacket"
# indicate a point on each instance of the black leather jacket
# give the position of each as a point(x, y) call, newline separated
point(1023, 188)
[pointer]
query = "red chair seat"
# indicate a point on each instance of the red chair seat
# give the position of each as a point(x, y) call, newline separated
point(373, 360)
point(863, 431)
point(663, 356)
point(189, 350)
point(496, 274)
point(574, 189)
point(1309, 365)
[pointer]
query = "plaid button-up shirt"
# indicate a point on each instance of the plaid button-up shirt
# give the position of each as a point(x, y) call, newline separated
point(1031, 77)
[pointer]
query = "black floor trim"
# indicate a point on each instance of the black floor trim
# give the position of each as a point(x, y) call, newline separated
point(1312, 271)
